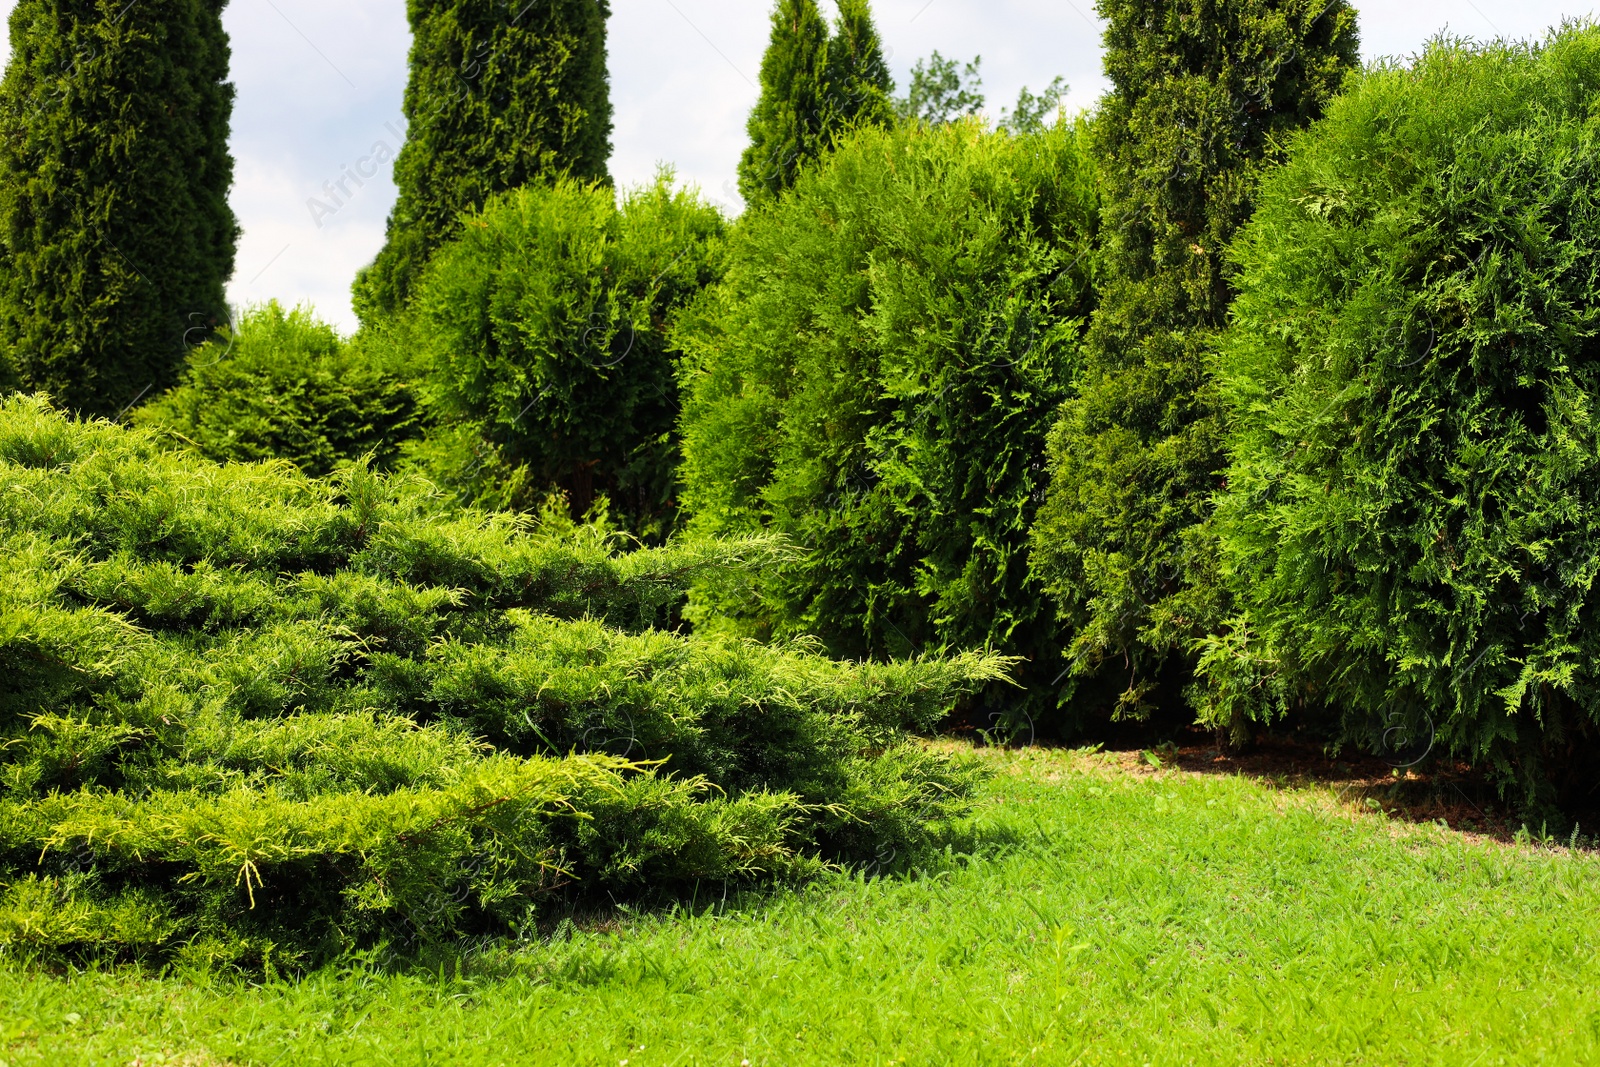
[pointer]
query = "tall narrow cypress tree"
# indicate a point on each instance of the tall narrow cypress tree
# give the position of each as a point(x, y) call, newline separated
point(860, 89)
point(116, 239)
point(1205, 95)
point(787, 122)
point(502, 92)
point(813, 86)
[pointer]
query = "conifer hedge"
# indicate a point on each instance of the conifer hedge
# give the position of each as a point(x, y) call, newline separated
point(543, 334)
point(1411, 525)
point(1205, 95)
point(501, 93)
point(252, 717)
point(115, 233)
point(874, 380)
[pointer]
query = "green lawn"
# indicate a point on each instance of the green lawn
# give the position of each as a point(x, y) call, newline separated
point(1108, 916)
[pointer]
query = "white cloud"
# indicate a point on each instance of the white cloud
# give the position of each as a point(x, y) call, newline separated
point(319, 86)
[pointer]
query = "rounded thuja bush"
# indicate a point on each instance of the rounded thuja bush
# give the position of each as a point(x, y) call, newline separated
point(284, 385)
point(543, 334)
point(1412, 515)
point(874, 380)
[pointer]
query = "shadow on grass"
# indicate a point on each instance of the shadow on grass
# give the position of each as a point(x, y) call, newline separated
point(566, 943)
point(1434, 791)
point(578, 946)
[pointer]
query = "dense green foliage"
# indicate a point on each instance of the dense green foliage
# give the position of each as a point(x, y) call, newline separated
point(115, 231)
point(1205, 95)
point(251, 716)
point(284, 386)
point(345, 662)
point(1097, 918)
point(786, 125)
point(814, 87)
point(1411, 525)
point(502, 93)
point(859, 83)
point(874, 380)
point(543, 334)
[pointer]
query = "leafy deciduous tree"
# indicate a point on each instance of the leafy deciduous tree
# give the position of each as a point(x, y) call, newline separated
point(942, 91)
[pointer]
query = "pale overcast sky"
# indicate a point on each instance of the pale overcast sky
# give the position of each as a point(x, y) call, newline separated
point(319, 88)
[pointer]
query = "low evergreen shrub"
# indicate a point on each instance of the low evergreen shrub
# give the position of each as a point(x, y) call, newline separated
point(874, 381)
point(254, 717)
point(543, 333)
point(1412, 516)
point(284, 386)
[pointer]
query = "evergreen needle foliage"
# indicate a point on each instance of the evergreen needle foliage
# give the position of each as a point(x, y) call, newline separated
point(813, 87)
point(1205, 95)
point(543, 331)
point(874, 380)
point(502, 93)
point(1410, 526)
point(115, 228)
point(282, 385)
point(859, 83)
point(252, 717)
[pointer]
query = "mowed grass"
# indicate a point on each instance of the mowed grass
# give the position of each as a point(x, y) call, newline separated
point(1105, 915)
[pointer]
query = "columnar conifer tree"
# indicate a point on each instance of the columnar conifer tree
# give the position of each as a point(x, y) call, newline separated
point(502, 92)
point(115, 231)
point(1205, 95)
point(813, 86)
point(860, 89)
point(786, 125)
